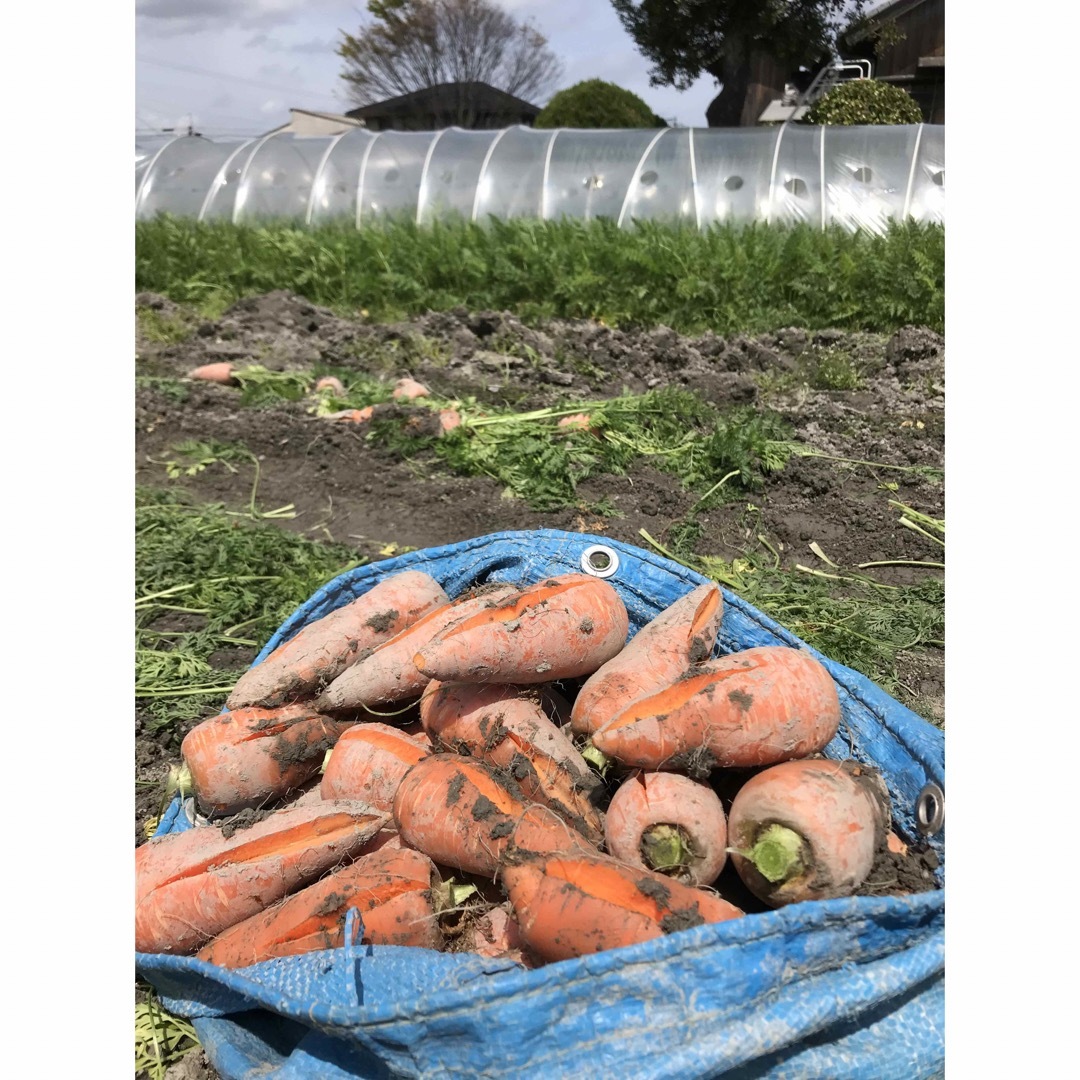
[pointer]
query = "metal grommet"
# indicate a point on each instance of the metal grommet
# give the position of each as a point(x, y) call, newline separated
point(930, 810)
point(600, 561)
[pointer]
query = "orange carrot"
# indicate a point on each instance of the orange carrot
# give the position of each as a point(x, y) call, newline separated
point(319, 652)
point(560, 628)
point(390, 888)
point(221, 372)
point(754, 707)
point(668, 823)
point(448, 420)
point(368, 763)
point(251, 756)
point(573, 905)
point(681, 636)
point(808, 830)
point(386, 674)
point(458, 811)
point(331, 384)
point(409, 390)
point(190, 886)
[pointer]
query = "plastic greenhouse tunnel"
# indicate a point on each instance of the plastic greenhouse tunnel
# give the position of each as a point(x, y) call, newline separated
point(852, 177)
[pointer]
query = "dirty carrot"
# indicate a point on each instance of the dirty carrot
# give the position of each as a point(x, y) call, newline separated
point(321, 650)
point(369, 762)
point(190, 886)
point(385, 674)
point(220, 372)
point(458, 811)
point(562, 627)
point(668, 823)
point(808, 830)
point(755, 707)
point(390, 888)
point(248, 757)
point(574, 905)
point(682, 635)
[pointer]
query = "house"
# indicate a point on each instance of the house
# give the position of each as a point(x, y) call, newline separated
point(309, 122)
point(910, 54)
point(916, 59)
point(462, 104)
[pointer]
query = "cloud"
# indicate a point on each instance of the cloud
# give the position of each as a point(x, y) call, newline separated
point(313, 47)
point(168, 17)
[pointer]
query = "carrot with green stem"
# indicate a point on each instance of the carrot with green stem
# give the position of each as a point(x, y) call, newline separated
point(560, 628)
point(320, 651)
point(756, 707)
point(808, 830)
point(668, 823)
point(386, 674)
point(251, 756)
point(190, 886)
point(681, 636)
point(394, 889)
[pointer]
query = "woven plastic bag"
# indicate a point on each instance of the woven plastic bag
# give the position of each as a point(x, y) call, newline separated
point(848, 988)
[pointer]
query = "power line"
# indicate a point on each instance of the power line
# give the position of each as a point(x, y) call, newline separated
point(231, 78)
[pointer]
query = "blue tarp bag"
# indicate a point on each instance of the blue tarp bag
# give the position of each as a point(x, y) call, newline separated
point(827, 990)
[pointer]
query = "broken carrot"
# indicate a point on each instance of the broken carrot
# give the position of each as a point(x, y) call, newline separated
point(755, 707)
point(682, 635)
point(369, 762)
point(322, 649)
point(390, 888)
point(248, 757)
point(190, 886)
point(562, 627)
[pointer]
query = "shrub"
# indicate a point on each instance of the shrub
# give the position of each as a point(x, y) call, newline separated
point(597, 104)
point(865, 101)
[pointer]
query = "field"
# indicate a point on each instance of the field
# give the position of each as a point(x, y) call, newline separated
point(776, 422)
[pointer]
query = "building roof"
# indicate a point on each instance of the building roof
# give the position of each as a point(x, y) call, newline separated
point(439, 93)
point(885, 12)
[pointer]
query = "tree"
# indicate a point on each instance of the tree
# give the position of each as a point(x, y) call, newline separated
point(597, 104)
point(414, 44)
point(687, 39)
point(865, 101)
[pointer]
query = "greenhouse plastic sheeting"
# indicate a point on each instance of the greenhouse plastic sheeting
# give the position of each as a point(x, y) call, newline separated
point(846, 988)
point(853, 177)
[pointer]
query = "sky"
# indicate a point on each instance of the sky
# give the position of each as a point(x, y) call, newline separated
point(236, 67)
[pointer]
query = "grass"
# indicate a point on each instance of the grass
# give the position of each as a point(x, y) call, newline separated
point(160, 1038)
point(730, 279)
point(208, 581)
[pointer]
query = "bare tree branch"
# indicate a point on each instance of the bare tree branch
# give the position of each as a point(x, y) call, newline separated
point(410, 45)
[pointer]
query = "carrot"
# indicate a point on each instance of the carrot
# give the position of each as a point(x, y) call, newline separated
point(220, 372)
point(386, 674)
point(330, 383)
point(368, 763)
point(560, 628)
point(513, 733)
point(458, 811)
point(668, 823)
point(409, 390)
point(191, 886)
point(391, 889)
point(448, 420)
point(754, 707)
point(251, 756)
point(320, 651)
point(665, 648)
point(573, 905)
point(495, 934)
point(808, 830)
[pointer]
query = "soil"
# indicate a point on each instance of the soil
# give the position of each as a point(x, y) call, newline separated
point(345, 489)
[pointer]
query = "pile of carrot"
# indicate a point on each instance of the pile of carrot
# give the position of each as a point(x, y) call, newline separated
point(504, 772)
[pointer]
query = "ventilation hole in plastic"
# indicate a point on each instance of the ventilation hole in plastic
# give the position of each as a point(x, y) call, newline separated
point(391, 175)
point(649, 177)
point(864, 175)
point(591, 182)
point(733, 183)
point(446, 176)
point(795, 186)
point(938, 177)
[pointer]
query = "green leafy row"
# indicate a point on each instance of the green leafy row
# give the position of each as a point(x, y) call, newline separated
point(731, 279)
